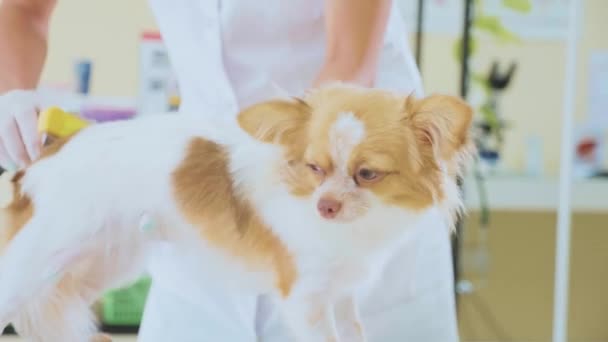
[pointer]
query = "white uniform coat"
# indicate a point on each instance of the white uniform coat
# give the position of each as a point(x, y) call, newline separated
point(228, 54)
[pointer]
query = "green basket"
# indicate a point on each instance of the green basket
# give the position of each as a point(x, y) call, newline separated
point(125, 306)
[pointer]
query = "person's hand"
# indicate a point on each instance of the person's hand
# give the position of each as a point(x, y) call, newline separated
point(20, 142)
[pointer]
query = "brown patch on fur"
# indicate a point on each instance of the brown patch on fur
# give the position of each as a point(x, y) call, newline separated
point(205, 193)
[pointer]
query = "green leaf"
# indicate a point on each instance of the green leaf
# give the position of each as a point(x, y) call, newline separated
point(493, 26)
point(523, 6)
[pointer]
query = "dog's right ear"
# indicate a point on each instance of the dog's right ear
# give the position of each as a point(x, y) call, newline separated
point(276, 121)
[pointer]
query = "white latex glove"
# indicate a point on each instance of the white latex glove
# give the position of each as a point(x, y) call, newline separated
point(20, 142)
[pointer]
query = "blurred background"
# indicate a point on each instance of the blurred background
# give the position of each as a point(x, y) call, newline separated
point(506, 246)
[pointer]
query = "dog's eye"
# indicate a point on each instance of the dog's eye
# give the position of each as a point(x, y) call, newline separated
point(316, 169)
point(367, 176)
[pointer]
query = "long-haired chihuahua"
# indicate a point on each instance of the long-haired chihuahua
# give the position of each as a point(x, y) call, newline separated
point(304, 199)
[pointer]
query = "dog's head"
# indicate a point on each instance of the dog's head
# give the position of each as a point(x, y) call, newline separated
point(352, 150)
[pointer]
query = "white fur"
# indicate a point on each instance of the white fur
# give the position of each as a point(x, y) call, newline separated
point(344, 135)
point(90, 197)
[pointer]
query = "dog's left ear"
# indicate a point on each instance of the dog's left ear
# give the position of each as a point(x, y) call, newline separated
point(275, 121)
point(440, 121)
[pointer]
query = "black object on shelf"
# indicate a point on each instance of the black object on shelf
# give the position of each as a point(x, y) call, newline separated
point(498, 80)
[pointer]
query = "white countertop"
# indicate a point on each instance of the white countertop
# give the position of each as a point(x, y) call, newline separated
point(520, 193)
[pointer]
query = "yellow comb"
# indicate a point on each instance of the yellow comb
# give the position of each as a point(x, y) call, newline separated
point(56, 123)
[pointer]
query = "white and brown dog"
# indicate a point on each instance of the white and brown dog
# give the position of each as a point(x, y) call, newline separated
point(303, 199)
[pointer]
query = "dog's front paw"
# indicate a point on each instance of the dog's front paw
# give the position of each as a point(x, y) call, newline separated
point(348, 321)
point(352, 332)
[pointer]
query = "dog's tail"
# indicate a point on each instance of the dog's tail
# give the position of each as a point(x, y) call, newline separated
point(15, 207)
